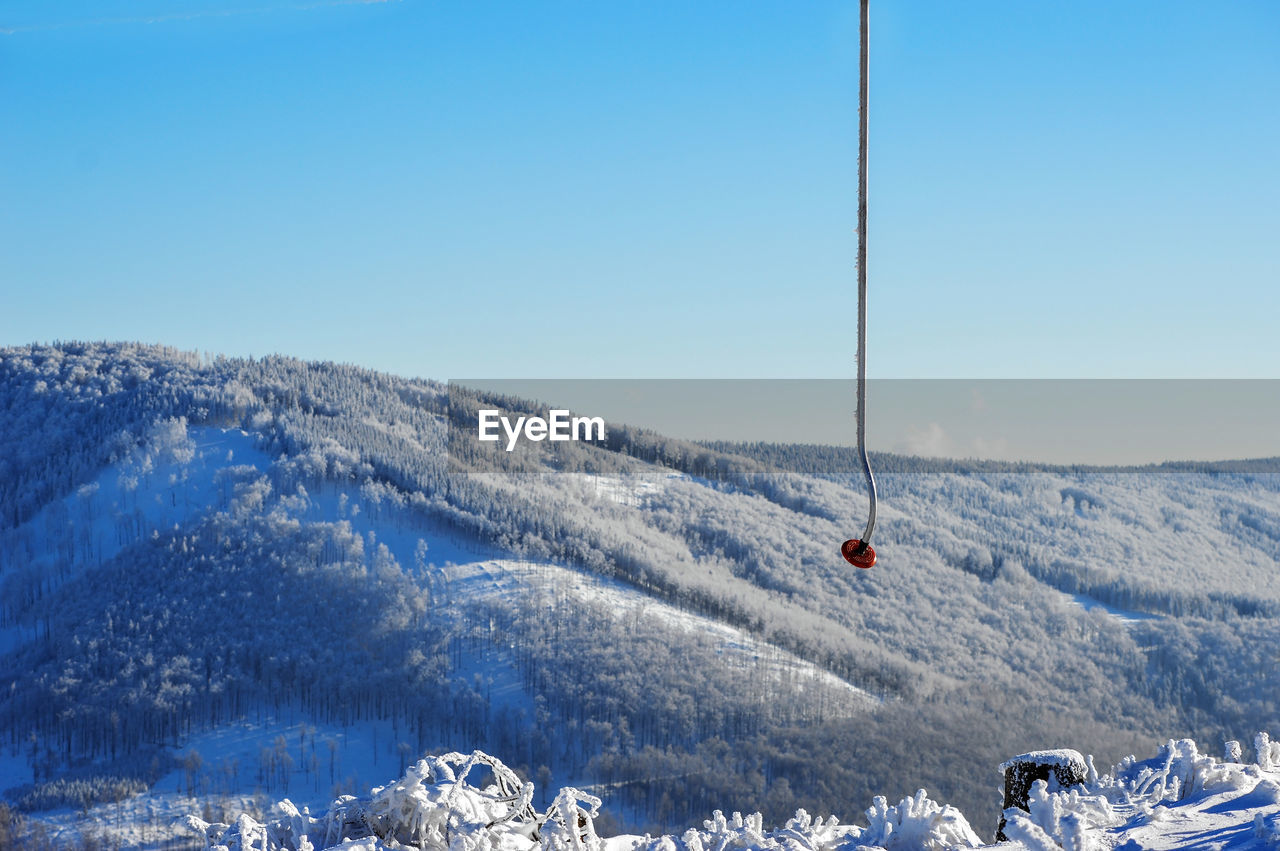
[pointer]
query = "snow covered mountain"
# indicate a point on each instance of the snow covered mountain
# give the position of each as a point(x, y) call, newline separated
point(224, 582)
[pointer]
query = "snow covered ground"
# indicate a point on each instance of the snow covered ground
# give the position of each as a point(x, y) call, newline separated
point(631, 490)
point(1087, 603)
point(1180, 799)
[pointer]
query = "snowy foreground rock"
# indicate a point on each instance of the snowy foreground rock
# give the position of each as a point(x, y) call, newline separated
point(1180, 799)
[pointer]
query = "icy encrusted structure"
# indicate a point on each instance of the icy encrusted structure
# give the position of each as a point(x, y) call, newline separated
point(432, 806)
point(436, 806)
point(1058, 819)
point(1268, 752)
point(1269, 835)
point(802, 833)
point(1058, 769)
point(1074, 819)
point(915, 823)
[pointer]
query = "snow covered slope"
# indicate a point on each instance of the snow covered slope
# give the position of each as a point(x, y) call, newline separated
point(212, 569)
point(179, 474)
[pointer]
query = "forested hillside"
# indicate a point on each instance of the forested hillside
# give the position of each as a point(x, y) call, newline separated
point(193, 545)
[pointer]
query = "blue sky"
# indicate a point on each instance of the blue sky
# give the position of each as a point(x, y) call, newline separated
point(656, 189)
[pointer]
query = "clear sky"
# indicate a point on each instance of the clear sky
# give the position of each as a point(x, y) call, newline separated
point(648, 189)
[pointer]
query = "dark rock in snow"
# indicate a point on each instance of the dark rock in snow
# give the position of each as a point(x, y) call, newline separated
point(1060, 769)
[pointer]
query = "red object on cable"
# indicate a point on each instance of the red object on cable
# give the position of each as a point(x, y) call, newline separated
point(857, 554)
